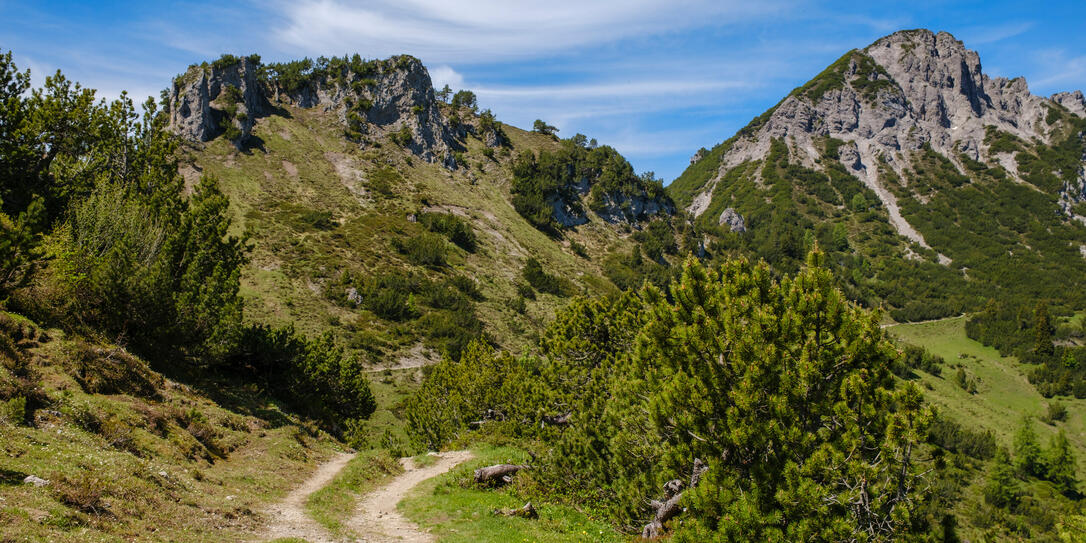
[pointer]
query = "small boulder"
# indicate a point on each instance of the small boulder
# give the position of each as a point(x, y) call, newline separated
point(734, 220)
point(35, 480)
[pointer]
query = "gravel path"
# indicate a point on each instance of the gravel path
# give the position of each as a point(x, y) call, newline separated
point(378, 521)
point(289, 518)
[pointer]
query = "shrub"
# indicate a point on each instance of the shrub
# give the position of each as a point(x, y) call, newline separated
point(540, 280)
point(1056, 412)
point(955, 438)
point(401, 137)
point(425, 249)
point(382, 181)
point(465, 285)
point(458, 230)
point(451, 330)
point(13, 411)
point(84, 492)
point(314, 376)
point(112, 371)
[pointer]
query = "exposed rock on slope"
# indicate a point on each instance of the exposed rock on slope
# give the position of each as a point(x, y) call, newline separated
point(199, 100)
point(373, 99)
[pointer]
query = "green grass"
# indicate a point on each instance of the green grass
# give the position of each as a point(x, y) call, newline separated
point(1004, 394)
point(424, 460)
point(306, 168)
point(332, 505)
point(453, 510)
point(152, 476)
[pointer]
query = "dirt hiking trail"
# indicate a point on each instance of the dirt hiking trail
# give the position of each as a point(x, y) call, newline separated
point(375, 520)
point(289, 518)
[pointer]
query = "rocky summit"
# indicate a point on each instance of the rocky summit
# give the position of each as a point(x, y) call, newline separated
point(371, 99)
point(911, 90)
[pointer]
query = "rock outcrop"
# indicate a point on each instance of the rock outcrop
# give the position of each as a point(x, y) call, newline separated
point(391, 98)
point(733, 219)
point(206, 100)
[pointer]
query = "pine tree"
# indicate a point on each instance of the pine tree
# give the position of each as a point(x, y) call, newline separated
point(1060, 464)
point(208, 262)
point(1042, 330)
point(1001, 489)
point(1027, 450)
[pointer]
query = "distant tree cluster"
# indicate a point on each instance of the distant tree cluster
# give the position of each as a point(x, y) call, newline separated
point(551, 178)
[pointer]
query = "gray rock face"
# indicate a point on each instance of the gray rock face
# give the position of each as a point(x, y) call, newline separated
point(202, 104)
point(618, 208)
point(1073, 101)
point(400, 95)
point(734, 220)
point(904, 91)
point(493, 138)
point(567, 213)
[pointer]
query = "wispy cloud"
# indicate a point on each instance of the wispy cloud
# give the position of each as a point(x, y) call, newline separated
point(991, 34)
point(649, 88)
point(445, 75)
point(486, 30)
point(1058, 71)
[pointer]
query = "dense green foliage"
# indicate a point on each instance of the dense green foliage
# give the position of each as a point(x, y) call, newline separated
point(556, 180)
point(542, 281)
point(354, 71)
point(105, 243)
point(458, 230)
point(782, 387)
point(442, 312)
point(867, 77)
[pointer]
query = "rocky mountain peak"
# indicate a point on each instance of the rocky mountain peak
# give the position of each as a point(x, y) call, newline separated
point(906, 92)
point(372, 99)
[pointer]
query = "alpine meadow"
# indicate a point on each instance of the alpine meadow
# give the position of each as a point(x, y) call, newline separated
point(329, 300)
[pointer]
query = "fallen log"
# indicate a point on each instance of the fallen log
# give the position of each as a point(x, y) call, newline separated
point(499, 474)
point(673, 493)
point(528, 511)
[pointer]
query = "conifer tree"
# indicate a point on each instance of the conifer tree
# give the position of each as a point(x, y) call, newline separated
point(1027, 451)
point(1042, 330)
point(1001, 489)
point(1060, 464)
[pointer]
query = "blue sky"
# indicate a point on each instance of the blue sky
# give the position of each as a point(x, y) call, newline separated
point(656, 79)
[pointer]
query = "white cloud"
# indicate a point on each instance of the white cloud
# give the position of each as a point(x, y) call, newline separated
point(611, 90)
point(445, 75)
point(443, 31)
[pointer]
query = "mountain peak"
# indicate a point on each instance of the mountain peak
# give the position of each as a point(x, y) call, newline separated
point(885, 110)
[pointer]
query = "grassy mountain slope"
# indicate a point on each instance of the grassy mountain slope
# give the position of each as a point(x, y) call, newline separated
point(318, 206)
